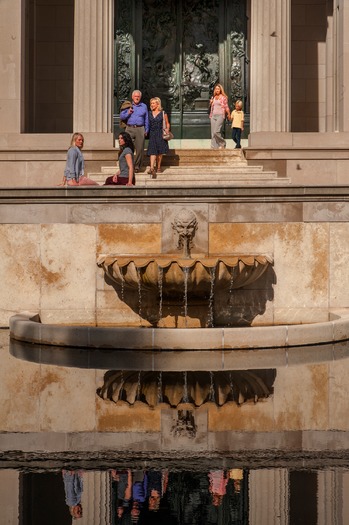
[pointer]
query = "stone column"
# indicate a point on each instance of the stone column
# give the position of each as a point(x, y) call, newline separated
point(96, 498)
point(341, 39)
point(93, 65)
point(11, 44)
point(270, 65)
point(268, 497)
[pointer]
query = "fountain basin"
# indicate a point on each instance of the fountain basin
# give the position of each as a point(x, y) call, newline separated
point(27, 327)
point(174, 275)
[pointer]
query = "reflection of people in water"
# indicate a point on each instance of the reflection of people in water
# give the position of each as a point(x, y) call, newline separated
point(139, 493)
point(236, 474)
point(73, 487)
point(157, 485)
point(218, 486)
point(124, 489)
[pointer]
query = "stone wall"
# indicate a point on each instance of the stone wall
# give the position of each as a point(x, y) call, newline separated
point(51, 240)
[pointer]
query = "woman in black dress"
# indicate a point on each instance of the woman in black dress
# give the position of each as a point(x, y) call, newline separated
point(157, 146)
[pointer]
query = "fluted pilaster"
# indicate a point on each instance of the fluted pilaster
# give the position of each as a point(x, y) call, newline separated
point(96, 498)
point(93, 65)
point(270, 65)
point(268, 497)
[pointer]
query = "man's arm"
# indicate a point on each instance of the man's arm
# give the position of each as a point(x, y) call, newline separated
point(146, 120)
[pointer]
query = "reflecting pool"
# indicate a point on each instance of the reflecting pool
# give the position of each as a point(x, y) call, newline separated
point(256, 437)
point(121, 495)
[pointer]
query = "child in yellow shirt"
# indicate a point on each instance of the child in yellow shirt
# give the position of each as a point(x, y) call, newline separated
point(237, 123)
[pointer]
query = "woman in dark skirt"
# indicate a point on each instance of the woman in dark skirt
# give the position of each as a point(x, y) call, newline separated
point(157, 146)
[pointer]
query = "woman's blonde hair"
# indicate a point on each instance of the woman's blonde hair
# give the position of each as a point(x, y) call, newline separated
point(222, 90)
point(74, 137)
point(158, 100)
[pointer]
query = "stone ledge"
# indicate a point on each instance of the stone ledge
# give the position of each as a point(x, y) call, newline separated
point(27, 327)
point(321, 447)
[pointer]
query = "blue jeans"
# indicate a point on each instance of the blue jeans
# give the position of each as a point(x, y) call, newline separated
point(236, 135)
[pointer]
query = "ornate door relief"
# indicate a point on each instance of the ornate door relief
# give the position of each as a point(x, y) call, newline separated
point(177, 51)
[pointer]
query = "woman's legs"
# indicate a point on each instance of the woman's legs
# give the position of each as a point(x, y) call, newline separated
point(158, 162)
point(152, 165)
point(217, 141)
point(152, 161)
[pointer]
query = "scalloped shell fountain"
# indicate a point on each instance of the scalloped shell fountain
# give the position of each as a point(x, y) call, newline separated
point(174, 274)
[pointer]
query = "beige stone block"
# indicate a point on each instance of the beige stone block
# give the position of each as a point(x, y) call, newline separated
point(253, 358)
point(326, 212)
point(342, 172)
point(301, 266)
point(309, 333)
point(179, 361)
point(241, 238)
point(12, 174)
point(256, 212)
point(9, 115)
point(120, 417)
point(311, 172)
point(19, 270)
point(20, 389)
point(301, 398)
point(118, 317)
point(177, 338)
point(46, 174)
point(129, 239)
point(35, 214)
point(248, 416)
point(339, 254)
point(68, 267)
point(68, 316)
point(338, 396)
point(290, 316)
point(304, 355)
point(255, 336)
point(270, 139)
point(66, 387)
point(121, 216)
point(10, 16)
point(9, 496)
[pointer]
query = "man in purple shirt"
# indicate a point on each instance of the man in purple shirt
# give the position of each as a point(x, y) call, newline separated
point(137, 125)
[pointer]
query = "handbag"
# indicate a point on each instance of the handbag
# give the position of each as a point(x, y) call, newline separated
point(166, 134)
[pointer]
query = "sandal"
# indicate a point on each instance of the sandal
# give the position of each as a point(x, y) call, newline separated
point(152, 173)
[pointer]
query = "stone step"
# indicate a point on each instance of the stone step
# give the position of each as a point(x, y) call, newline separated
point(203, 179)
point(204, 168)
point(201, 167)
point(183, 157)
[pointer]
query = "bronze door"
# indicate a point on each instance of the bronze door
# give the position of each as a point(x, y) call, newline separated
point(178, 51)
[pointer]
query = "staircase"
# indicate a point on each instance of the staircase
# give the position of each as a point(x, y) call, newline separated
point(204, 167)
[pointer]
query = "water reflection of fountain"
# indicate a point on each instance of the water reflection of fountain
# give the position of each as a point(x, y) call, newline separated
point(195, 388)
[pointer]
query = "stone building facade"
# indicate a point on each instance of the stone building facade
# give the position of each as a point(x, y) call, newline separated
point(58, 75)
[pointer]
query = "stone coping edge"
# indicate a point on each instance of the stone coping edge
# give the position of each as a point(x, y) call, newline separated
point(280, 446)
point(28, 327)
